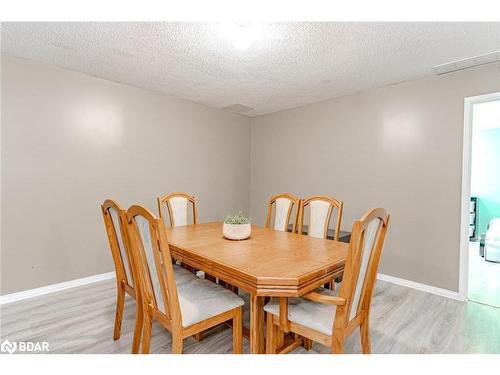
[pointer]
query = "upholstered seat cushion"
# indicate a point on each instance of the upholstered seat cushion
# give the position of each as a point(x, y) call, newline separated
point(201, 299)
point(182, 275)
point(307, 313)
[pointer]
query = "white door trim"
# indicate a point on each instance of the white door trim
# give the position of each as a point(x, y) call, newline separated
point(466, 182)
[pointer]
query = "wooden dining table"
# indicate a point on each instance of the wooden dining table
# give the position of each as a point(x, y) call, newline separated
point(268, 264)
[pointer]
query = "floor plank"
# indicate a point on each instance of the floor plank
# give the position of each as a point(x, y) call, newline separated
point(403, 320)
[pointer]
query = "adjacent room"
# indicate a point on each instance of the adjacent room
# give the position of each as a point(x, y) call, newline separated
point(250, 187)
point(484, 216)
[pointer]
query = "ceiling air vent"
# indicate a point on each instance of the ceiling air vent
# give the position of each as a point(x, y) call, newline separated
point(469, 62)
point(237, 108)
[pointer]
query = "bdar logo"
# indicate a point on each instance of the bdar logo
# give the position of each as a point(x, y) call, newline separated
point(9, 347)
point(24, 346)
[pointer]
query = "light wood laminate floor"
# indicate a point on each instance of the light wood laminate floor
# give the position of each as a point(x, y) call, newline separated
point(404, 320)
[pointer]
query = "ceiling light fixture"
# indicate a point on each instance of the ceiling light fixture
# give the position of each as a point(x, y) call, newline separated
point(243, 34)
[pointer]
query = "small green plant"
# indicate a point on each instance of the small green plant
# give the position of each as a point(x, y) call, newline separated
point(237, 219)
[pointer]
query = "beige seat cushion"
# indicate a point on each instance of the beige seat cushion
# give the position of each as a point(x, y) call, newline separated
point(307, 313)
point(182, 275)
point(201, 299)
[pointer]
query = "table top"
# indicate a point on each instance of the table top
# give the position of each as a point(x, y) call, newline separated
point(268, 263)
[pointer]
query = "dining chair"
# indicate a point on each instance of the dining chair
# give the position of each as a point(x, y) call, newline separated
point(177, 208)
point(283, 205)
point(179, 300)
point(320, 209)
point(177, 205)
point(325, 317)
point(114, 222)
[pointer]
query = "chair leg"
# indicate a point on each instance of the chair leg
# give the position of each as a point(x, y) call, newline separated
point(210, 278)
point(238, 332)
point(232, 288)
point(146, 338)
point(279, 336)
point(139, 319)
point(177, 343)
point(337, 344)
point(307, 343)
point(364, 330)
point(332, 285)
point(270, 335)
point(120, 303)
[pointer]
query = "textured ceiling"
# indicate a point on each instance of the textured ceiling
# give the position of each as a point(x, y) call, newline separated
point(290, 64)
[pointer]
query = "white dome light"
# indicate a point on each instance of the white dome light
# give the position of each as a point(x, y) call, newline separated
point(243, 34)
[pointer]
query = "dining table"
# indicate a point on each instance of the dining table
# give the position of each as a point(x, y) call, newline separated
point(269, 263)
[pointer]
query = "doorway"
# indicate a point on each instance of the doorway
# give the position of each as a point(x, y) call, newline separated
point(480, 234)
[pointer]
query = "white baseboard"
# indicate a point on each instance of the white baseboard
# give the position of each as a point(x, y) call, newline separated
point(25, 294)
point(423, 287)
point(14, 297)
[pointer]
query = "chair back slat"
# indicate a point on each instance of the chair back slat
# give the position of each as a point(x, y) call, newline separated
point(319, 217)
point(319, 211)
point(114, 216)
point(177, 207)
point(360, 272)
point(152, 258)
point(281, 216)
point(282, 206)
point(369, 235)
point(153, 277)
point(117, 221)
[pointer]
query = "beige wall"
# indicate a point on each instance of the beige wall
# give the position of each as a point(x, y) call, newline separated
point(398, 147)
point(70, 140)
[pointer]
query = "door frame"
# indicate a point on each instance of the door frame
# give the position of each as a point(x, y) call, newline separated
point(466, 184)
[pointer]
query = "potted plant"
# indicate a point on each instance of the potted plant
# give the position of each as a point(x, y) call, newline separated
point(236, 227)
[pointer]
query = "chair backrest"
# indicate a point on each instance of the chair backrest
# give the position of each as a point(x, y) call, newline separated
point(320, 213)
point(283, 206)
point(153, 262)
point(177, 206)
point(360, 272)
point(114, 221)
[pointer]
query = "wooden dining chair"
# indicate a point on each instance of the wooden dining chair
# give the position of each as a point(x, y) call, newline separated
point(179, 300)
point(177, 207)
point(177, 213)
point(319, 209)
point(282, 206)
point(327, 318)
point(320, 212)
point(114, 222)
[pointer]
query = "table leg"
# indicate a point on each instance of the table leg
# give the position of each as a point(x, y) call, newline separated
point(256, 325)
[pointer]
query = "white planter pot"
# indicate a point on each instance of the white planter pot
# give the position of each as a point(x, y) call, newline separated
point(236, 231)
